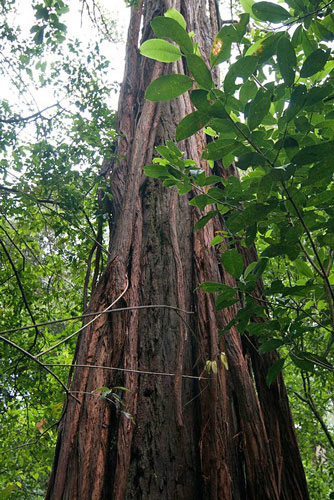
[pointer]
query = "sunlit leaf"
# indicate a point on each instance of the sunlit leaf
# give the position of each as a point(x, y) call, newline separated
point(160, 50)
point(177, 16)
point(168, 87)
point(165, 27)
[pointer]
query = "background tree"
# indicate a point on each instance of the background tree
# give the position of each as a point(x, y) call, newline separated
point(214, 438)
point(50, 215)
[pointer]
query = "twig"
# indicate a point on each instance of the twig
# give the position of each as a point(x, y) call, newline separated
point(300, 18)
point(29, 443)
point(87, 315)
point(30, 356)
point(18, 279)
point(300, 217)
point(309, 401)
point(285, 306)
point(42, 203)
point(14, 245)
point(87, 276)
point(88, 324)
point(28, 118)
point(141, 372)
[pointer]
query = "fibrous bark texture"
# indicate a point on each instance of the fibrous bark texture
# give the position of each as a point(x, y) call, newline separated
point(225, 436)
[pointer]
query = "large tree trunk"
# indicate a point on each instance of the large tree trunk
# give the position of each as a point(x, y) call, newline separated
point(226, 436)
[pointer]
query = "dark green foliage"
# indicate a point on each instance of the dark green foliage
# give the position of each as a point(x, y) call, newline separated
point(52, 202)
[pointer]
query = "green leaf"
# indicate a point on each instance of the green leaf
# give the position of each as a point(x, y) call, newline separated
point(249, 268)
point(244, 68)
point(291, 146)
point(303, 268)
point(168, 87)
point(301, 362)
point(204, 220)
point(165, 27)
point(314, 62)
point(322, 32)
point(174, 149)
point(200, 71)
point(297, 101)
point(216, 240)
point(317, 94)
point(39, 36)
point(191, 124)
point(156, 171)
point(270, 345)
point(297, 37)
point(177, 16)
point(209, 180)
point(274, 371)
point(313, 154)
point(41, 13)
point(271, 12)
point(253, 159)
point(255, 47)
point(329, 66)
point(287, 60)
point(247, 6)
point(241, 26)
point(221, 47)
point(166, 153)
point(199, 98)
point(260, 267)
point(278, 249)
point(213, 287)
point(232, 262)
point(218, 149)
point(160, 50)
point(259, 108)
point(222, 302)
point(218, 111)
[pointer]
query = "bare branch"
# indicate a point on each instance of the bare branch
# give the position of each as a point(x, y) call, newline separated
point(19, 282)
point(140, 372)
point(30, 356)
point(30, 117)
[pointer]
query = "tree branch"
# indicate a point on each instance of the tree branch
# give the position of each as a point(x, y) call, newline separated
point(18, 279)
point(30, 356)
point(30, 117)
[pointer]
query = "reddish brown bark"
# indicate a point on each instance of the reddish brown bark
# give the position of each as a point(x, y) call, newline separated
point(224, 437)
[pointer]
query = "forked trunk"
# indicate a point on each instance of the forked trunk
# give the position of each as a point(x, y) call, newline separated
point(226, 436)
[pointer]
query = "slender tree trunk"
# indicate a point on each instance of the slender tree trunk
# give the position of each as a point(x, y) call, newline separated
point(225, 436)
